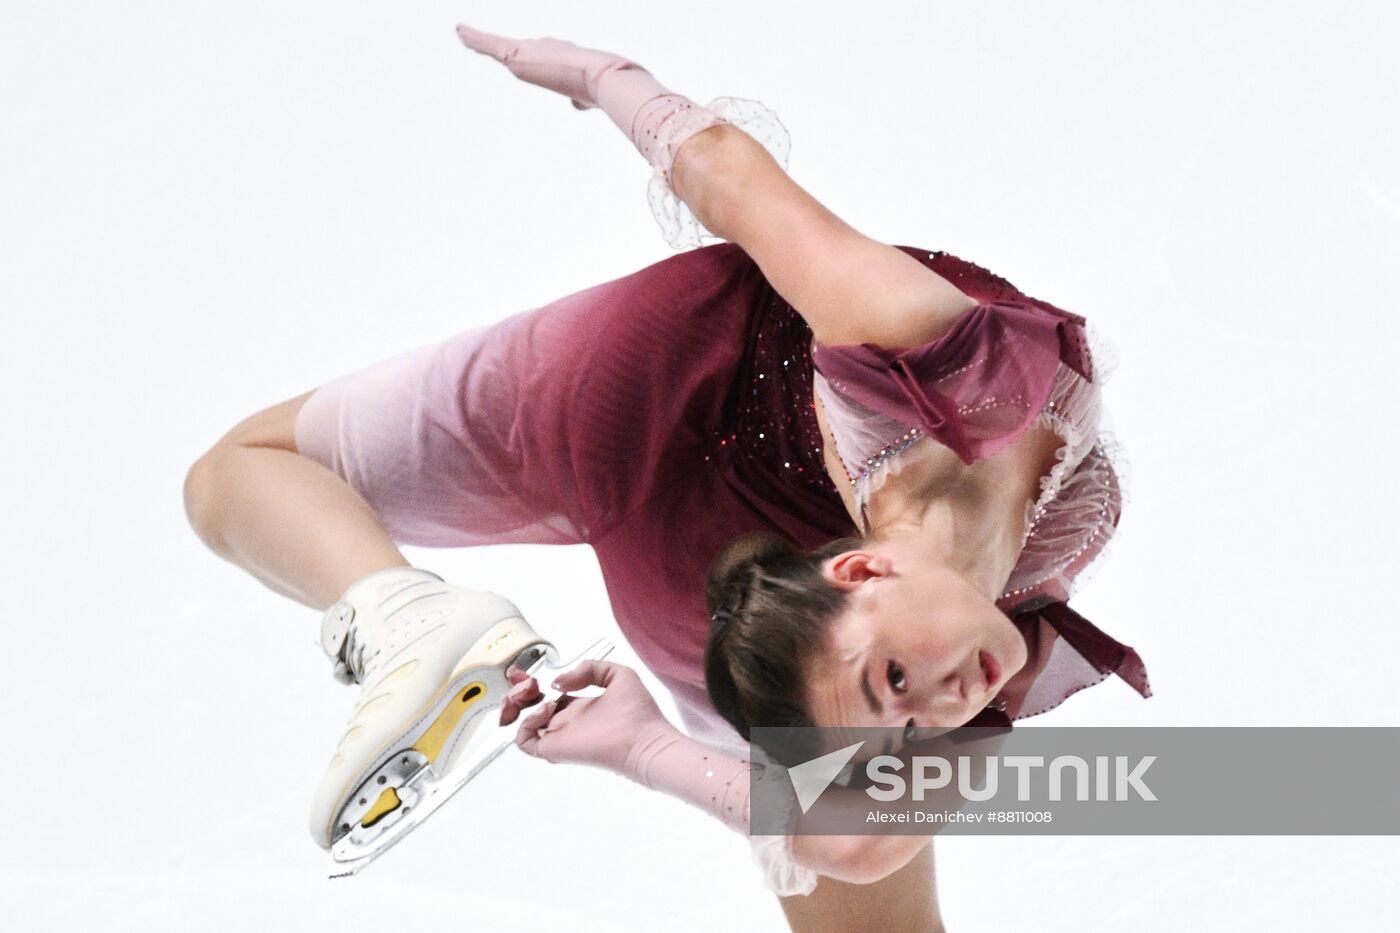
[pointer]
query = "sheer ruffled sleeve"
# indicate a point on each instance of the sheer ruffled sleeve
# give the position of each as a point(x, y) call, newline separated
point(774, 853)
point(1073, 528)
point(976, 387)
point(680, 227)
point(781, 873)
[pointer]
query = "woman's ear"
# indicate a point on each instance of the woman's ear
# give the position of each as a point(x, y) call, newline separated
point(849, 569)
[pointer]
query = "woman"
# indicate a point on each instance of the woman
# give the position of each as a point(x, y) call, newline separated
point(828, 480)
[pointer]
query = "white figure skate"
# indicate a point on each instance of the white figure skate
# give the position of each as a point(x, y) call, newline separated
point(432, 661)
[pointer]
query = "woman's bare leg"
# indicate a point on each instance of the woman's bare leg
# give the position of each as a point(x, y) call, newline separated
point(904, 902)
point(286, 519)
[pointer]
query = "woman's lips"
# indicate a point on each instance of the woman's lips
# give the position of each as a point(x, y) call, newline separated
point(991, 669)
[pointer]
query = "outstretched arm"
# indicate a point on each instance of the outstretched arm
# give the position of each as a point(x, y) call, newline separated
point(624, 731)
point(850, 288)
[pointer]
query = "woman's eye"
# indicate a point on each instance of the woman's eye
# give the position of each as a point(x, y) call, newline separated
point(909, 729)
point(895, 674)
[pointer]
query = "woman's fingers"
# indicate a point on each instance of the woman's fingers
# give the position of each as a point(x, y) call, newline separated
point(525, 692)
point(549, 62)
point(592, 673)
point(528, 738)
point(498, 47)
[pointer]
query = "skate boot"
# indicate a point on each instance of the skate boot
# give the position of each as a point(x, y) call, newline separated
point(431, 660)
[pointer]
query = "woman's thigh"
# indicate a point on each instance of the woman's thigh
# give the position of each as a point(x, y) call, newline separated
point(547, 427)
point(904, 902)
point(451, 443)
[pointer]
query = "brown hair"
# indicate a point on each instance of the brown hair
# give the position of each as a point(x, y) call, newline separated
point(770, 605)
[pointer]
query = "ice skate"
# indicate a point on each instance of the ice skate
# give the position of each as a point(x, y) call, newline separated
point(432, 662)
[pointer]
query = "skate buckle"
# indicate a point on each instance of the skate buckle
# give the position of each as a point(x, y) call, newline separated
point(335, 627)
point(404, 791)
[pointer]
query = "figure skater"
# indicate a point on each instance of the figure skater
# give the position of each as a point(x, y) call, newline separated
point(829, 481)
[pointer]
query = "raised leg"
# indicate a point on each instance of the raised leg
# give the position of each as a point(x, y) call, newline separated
point(286, 519)
point(439, 446)
point(313, 495)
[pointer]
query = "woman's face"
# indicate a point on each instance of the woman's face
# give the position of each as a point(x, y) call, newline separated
point(918, 646)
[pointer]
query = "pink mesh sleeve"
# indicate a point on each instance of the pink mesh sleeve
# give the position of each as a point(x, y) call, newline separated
point(678, 765)
point(718, 783)
point(679, 225)
point(659, 121)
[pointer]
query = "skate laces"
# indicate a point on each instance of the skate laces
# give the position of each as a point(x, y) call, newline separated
point(354, 652)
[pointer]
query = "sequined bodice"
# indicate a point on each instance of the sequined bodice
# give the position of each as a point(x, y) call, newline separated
point(793, 466)
point(775, 424)
point(778, 427)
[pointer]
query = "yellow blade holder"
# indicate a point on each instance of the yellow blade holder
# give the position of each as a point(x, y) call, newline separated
point(402, 793)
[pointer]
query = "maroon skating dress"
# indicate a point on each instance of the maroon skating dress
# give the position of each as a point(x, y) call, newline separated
point(659, 415)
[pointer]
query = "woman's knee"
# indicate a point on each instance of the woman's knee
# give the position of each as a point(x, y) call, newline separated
point(273, 427)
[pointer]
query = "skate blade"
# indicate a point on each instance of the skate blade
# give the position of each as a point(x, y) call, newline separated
point(423, 793)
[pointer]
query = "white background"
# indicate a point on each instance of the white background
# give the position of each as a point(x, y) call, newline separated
point(208, 208)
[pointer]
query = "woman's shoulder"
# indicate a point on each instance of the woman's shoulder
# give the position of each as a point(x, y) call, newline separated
point(975, 388)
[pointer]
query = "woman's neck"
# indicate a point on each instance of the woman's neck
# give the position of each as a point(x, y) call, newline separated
point(969, 522)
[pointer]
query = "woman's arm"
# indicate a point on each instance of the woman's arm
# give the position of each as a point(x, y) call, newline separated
point(849, 287)
point(719, 784)
point(622, 730)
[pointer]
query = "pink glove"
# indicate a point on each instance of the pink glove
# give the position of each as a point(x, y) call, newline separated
point(656, 120)
point(623, 730)
point(556, 64)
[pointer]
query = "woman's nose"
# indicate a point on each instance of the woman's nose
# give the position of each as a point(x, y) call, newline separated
point(954, 686)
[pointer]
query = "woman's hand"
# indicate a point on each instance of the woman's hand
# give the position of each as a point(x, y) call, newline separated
point(595, 730)
point(556, 64)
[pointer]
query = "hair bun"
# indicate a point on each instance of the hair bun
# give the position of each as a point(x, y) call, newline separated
point(732, 572)
point(769, 605)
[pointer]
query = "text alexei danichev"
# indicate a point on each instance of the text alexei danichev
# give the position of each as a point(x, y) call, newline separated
point(995, 816)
